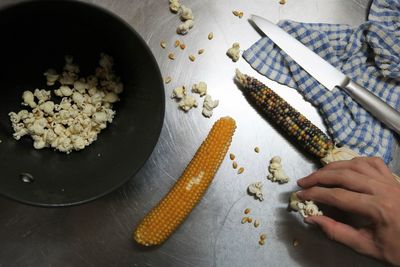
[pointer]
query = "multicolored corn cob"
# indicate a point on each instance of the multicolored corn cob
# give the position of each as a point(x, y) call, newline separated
point(292, 122)
point(172, 210)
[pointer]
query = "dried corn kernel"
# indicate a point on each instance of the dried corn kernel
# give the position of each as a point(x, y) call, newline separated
point(244, 220)
point(168, 79)
point(249, 220)
point(182, 46)
point(238, 13)
point(261, 242)
point(171, 56)
point(177, 43)
point(282, 2)
point(210, 36)
point(201, 51)
point(232, 156)
point(292, 122)
point(241, 170)
point(263, 237)
point(234, 165)
point(192, 58)
point(172, 210)
point(247, 211)
point(257, 149)
point(163, 44)
point(256, 223)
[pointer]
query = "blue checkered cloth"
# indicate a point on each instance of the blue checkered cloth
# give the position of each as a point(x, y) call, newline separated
point(369, 55)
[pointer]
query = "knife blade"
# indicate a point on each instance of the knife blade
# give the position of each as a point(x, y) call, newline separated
point(328, 75)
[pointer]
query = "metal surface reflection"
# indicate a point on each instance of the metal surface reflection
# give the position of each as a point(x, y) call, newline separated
point(99, 233)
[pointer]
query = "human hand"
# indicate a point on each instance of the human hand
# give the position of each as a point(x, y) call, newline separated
point(363, 186)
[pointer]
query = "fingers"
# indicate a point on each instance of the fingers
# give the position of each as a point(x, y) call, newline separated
point(360, 165)
point(345, 178)
point(342, 199)
point(359, 240)
point(360, 174)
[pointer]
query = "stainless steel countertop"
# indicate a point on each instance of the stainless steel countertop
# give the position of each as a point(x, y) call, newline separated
point(99, 233)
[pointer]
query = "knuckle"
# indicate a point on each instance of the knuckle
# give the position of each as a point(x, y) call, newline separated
point(331, 165)
point(336, 194)
point(380, 165)
point(382, 210)
point(386, 206)
point(377, 161)
point(358, 164)
point(396, 190)
point(342, 174)
point(371, 185)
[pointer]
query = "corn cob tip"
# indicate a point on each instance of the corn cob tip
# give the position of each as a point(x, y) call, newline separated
point(240, 77)
point(227, 118)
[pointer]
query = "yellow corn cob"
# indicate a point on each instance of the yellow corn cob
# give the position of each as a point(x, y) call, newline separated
point(172, 210)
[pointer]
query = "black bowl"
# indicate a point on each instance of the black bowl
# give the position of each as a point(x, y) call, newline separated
point(35, 36)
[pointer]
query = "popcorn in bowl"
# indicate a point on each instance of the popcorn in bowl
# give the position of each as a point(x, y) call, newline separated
point(74, 122)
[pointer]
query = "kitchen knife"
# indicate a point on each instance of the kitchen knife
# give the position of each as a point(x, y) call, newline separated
point(327, 74)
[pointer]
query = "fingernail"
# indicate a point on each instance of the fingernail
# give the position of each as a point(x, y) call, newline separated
point(300, 181)
point(299, 194)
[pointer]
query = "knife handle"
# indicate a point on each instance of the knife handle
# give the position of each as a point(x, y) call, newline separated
point(376, 106)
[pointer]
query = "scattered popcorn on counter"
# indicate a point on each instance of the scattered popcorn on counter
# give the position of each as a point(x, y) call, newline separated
point(308, 208)
point(188, 102)
point(305, 208)
point(255, 189)
point(209, 105)
point(186, 13)
point(185, 27)
point(276, 172)
point(84, 110)
point(293, 201)
point(234, 52)
point(200, 88)
point(179, 92)
point(174, 5)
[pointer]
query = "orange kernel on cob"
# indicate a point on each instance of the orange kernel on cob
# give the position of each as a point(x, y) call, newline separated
point(173, 209)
